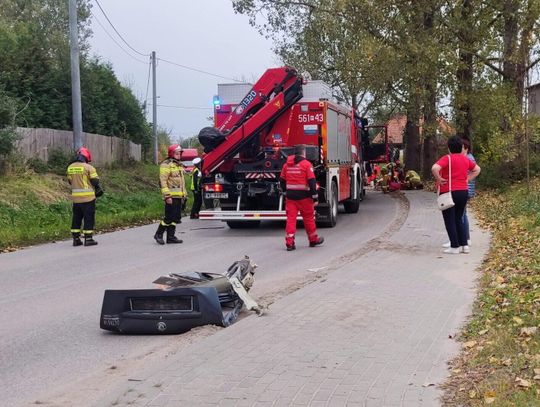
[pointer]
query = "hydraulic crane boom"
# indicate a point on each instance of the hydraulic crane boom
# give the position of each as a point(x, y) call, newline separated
point(270, 97)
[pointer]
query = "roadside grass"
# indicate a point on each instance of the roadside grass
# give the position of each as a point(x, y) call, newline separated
point(35, 208)
point(500, 361)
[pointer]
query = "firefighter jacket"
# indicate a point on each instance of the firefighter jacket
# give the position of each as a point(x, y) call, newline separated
point(298, 179)
point(171, 179)
point(83, 179)
point(196, 180)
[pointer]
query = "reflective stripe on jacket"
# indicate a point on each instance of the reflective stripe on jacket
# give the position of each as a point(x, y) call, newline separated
point(171, 179)
point(79, 175)
point(299, 178)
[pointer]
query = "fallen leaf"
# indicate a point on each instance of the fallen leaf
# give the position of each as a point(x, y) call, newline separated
point(469, 344)
point(428, 384)
point(536, 371)
point(507, 362)
point(489, 397)
point(499, 279)
point(522, 382)
point(472, 394)
point(528, 331)
point(518, 320)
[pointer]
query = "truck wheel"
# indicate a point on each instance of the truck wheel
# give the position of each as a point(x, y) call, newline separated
point(238, 224)
point(332, 208)
point(352, 205)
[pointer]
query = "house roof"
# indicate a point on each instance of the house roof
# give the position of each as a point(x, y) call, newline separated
point(396, 128)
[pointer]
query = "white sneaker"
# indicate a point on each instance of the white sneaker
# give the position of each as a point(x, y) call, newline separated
point(452, 250)
point(447, 245)
point(465, 249)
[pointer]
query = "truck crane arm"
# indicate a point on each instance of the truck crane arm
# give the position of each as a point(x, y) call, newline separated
point(271, 96)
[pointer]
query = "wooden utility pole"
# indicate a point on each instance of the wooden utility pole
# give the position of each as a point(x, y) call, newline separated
point(154, 107)
point(75, 76)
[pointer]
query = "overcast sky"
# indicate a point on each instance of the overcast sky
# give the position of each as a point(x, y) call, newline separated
point(202, 34)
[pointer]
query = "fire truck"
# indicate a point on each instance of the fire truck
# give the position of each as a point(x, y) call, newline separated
point(257, 127)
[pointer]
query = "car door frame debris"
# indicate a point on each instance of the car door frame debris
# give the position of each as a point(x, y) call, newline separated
point(182, 301)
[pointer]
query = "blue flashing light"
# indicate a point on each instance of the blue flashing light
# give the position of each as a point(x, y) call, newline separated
point(217, 102)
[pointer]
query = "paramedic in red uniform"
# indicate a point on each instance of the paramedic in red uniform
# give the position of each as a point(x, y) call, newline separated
point(298, 180)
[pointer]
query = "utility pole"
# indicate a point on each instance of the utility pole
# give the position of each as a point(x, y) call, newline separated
point(75, 76)
point(154, 106)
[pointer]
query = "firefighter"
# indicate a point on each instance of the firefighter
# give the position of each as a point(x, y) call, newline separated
point(413, 181)
point(85, 187)
point(173, 190)
point(196, 189)
point(298, 181)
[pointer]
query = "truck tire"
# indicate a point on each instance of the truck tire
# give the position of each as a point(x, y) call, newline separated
point(352, 205)
point(332, 208)
point(238, 224)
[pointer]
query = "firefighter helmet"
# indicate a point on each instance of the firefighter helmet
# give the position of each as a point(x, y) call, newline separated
point(197, 161)
point(85, 153)
point(172, 149)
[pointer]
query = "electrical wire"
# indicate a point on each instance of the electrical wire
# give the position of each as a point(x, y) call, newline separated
point(147, 85)
point(159, 59)
point(197, 70)
point(116, 42)
point(115, 30)
point(184, 107)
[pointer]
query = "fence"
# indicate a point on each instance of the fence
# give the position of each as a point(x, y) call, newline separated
point(105, 150)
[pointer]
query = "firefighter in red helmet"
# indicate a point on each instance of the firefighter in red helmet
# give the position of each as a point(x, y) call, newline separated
point(298, 181)
point(85, 187)
point(173, 190)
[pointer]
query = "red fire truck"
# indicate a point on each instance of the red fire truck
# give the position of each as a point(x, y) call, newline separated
point(253, 135)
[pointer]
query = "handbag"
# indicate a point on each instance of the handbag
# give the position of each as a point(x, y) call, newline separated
point(445, 201)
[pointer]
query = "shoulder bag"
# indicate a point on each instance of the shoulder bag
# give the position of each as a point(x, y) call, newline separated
point(445, 201)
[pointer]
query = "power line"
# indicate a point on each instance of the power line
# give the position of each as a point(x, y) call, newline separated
point(160, 59)
point(147, 85)
point(184, 107)
point(197, 70)
point(114, 28)
point(116, 42)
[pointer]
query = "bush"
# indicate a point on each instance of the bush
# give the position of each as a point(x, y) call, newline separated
point(59, 161)
point(37, 164)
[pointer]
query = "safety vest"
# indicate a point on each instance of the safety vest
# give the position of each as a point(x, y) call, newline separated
point(79, 175)
point(171, 179)
point(195, 174)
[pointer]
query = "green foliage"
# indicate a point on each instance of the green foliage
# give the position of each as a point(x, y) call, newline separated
point(59, 161)
point(7, 117)
point(37, 165)
point(34, 50)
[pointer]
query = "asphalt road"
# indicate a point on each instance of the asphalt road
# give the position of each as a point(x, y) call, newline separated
point(50, 296)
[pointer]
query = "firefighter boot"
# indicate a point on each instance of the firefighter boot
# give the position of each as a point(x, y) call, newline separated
point(159, 234)
point(89, 240)
point(318, 242)
point(77, 239)
point(171, 238)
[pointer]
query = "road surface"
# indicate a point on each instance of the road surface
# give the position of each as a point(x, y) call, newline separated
point(50, 296)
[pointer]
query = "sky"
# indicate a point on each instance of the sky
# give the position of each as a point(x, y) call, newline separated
point(203, 34)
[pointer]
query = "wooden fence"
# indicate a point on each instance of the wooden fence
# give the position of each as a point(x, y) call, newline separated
point(105, 150)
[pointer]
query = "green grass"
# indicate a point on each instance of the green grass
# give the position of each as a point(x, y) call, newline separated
point(500, 363)
point(35, 208)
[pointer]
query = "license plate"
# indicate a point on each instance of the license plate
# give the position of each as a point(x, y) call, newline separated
point(216, 195)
